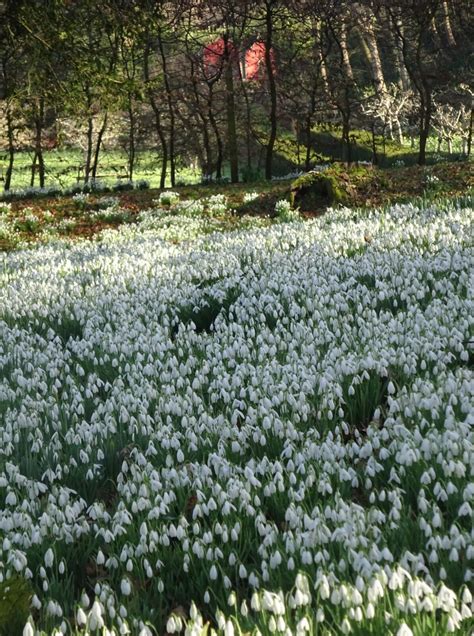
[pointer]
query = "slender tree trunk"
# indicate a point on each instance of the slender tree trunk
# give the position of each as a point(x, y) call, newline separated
point(346, 139)
point(308, 126)
point(448, 31)
point(321, 61)
point(169, 98)
point(469, 135)
point(307, 161)
point(89, 136)
point(33, 170)
point(11, 150)
point(372, 55)
point(157, 115)
point(230, 108)
point(89, 149)
point(425, 123)
point(273, 92)
point(208, 164)
point(100, 136)
point(39, 122)
point(375, 159)
point(131, 138)
point(346, 60)
point(397, 36)
point(217, 134)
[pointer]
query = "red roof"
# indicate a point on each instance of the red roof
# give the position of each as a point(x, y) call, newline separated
point(255, 68)
point(214, 56)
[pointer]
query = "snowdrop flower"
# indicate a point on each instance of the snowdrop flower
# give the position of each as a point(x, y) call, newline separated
point(28, 629)
point(81, 617)
point(404, 630)
point(49, 558)
point(125, 587)
point(229, 628)
point(255, 602)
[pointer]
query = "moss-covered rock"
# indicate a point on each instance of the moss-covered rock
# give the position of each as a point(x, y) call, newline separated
point(15, 597)
point(337, 185)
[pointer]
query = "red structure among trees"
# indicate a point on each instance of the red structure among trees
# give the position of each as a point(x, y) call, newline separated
point(252, 59)
point(253, 65)
point(215, 55)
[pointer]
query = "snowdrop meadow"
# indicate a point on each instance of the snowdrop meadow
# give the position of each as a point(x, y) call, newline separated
point(262, 431)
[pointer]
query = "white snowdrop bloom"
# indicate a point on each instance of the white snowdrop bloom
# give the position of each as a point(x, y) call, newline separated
point(346, 626)
point(229, 628)
point(125, 587)
point(100, 559)
point(28, 629)
point(35, 602)
point(85, 601)
point(11, 499)
point(213, 573)
point(404, 630)
point(255, 602)
point(81, 617)
point(275, 559)
point(370, 611)
point(466, 596)
point(303, 625)
point(323, 588)
point(49, 558)
point(465, 612)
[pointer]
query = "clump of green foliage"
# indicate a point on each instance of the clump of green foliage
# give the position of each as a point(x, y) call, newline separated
point(15, 597)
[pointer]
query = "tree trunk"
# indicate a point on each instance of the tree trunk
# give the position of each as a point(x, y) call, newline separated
point(131, 138)
point(273, 92)
point(11, 150)
point(89, 135)
point(308, 126)
point(346, 140)
point(469, 135)
point(230, 109)
point(425, 123)
point(157, 115)
point(307, 161)
point(321, 61)
point(39, 122)
point(397, 35)
point(215, 128)
point(448, 32)
point(346, 60)
point(33, 170)
point(90, 143)
point(376, 62)
point(169, 98)
point(375, 159)
point(98, 145)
